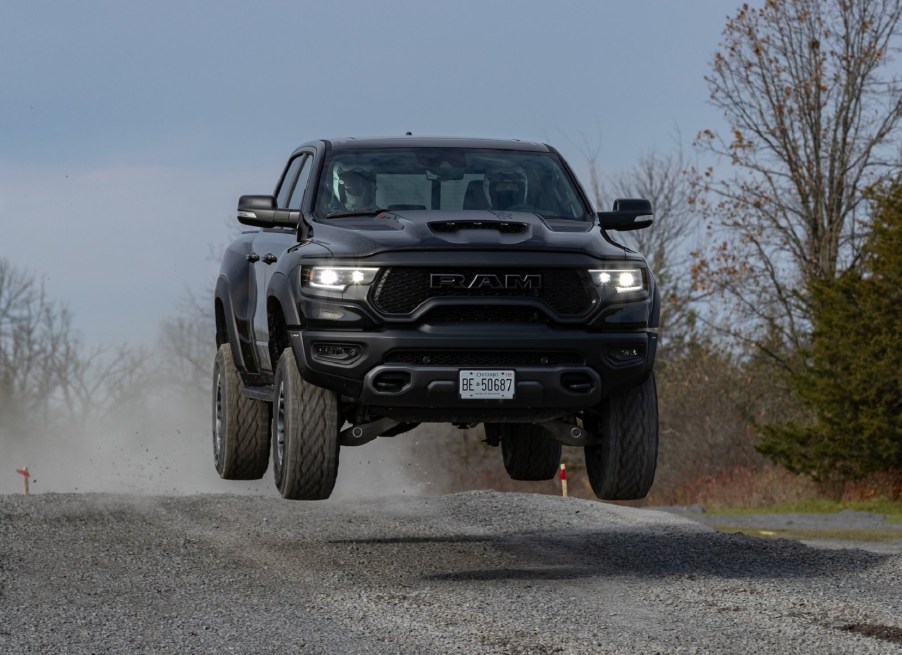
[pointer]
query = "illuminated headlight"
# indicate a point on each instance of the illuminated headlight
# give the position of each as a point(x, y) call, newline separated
point(621, 280)
point(338, 278)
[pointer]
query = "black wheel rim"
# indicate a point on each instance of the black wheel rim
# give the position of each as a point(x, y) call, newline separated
point(217, 417)
point(280, 430)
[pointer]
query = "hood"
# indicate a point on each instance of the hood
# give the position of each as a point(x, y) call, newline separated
point(363, 236)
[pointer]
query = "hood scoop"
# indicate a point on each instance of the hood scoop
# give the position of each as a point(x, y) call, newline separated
point(450, 227)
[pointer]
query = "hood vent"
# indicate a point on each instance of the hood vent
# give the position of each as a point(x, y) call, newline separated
point(505, 227)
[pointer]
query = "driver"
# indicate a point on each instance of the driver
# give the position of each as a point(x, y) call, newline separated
point(506, 188)
point(354, 187)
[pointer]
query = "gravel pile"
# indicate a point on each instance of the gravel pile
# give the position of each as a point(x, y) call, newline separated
point(479, 572)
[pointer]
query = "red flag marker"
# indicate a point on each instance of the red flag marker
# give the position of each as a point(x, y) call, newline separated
point(24, 472)
point(563, 476)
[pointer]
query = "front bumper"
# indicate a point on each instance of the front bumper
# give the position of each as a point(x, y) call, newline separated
point(412, 373)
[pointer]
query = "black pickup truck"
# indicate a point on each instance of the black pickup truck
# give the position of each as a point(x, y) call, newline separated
point(396, 281)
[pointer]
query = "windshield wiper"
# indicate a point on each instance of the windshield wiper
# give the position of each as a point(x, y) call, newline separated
point(359, 212)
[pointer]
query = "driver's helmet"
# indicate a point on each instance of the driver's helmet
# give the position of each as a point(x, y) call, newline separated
point(505, 187)
point(354, 185)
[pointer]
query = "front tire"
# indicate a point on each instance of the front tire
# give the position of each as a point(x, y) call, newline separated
point(529, 451)
point(240, 424)
point(622, 466)
point(305, 428)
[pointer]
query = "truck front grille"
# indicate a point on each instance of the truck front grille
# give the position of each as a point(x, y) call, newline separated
point(400, 290)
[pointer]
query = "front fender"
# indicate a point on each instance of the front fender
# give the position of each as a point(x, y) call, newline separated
point(281, 289)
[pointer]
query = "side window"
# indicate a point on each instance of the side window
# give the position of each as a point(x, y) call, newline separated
point(288, 179)
point(298, 194)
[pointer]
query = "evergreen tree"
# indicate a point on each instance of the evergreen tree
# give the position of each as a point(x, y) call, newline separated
point(852, 383)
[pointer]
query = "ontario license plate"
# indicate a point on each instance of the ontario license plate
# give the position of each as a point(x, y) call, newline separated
point(487, 384)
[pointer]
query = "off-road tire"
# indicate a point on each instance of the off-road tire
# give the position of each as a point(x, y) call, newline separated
point(622, 466)
point(305, 426)
point(240, 424)
point(528, 450)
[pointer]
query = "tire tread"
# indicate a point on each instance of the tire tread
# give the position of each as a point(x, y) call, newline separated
point(529, 451)
point(311, 460)
point(622, 467)
point(245, 438)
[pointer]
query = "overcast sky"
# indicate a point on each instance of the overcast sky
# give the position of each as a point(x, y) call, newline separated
point(129, 129)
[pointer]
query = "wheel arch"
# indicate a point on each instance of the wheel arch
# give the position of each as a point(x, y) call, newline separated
point(278, 330)
point(281, 312)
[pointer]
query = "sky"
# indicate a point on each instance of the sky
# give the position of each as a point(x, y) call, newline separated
point(128, 130)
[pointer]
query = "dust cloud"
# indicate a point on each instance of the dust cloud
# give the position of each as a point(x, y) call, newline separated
point(166, 449)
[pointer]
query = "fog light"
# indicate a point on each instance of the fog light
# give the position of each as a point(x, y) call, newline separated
point(333, 313)
point(336, 352)
point(623, 354)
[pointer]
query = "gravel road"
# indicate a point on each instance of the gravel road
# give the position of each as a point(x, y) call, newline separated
point(478, 572)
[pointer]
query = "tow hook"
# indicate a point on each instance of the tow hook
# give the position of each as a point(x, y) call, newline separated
point(357, 435)
point(570, 434)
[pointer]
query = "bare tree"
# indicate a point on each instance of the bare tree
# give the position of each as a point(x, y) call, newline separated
point(187, 341)
point(99, 381)
point(813, 124)
point(35, 344)
point(44, 368)
point(187, 345)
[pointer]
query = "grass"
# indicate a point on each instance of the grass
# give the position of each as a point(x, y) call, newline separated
point(803, 533)
point(769, 489)
point(891, 509)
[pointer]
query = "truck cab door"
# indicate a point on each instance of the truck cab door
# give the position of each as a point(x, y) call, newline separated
point(271, 244)
point(268, 246)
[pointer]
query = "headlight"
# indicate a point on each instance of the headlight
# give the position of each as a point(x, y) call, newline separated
point(621, 280)
point(338, 278)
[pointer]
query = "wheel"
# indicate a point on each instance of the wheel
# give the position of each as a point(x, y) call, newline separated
point(528, 450)
point(240, 424)
point(622, 467)
point(304, 434)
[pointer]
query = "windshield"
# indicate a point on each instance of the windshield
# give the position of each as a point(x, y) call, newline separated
point(369, 180)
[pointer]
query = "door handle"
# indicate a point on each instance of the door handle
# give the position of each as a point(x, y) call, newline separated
point(253, 258)
point(270, 258)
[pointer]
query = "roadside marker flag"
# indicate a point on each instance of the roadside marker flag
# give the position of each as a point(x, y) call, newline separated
point(25, 475)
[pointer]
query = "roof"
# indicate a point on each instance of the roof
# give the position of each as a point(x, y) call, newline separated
point(434, 142)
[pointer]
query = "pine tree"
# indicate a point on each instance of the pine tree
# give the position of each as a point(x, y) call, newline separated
point(852, 382)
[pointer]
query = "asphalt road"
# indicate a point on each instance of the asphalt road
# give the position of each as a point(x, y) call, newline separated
point(478, 572)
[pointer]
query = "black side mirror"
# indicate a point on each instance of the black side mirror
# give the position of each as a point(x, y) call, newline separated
point(261, 211)
point(627, 214)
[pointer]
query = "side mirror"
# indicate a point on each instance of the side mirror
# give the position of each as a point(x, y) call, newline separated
point(627, 214)
point(261, 211)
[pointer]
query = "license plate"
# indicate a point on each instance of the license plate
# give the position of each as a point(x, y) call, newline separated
point(487, 384)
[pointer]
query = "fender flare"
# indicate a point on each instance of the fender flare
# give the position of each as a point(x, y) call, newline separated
point(280, 288)
point(240, 355)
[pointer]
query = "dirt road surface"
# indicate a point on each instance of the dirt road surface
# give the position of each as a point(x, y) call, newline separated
point(478, 572)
